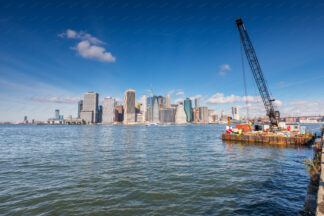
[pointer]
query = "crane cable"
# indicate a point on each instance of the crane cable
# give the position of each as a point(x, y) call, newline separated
point(244, 81)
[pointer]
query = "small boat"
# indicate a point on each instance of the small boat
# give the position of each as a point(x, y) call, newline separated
point(152, 124)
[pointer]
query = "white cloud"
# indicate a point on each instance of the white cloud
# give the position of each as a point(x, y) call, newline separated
point(219, 98)
point(180, 93)
point(81, 36)
point(196, 97)
point(56, 99)
point(222, 73)
point(225, 67)
point(88, 47)
point(86, 50)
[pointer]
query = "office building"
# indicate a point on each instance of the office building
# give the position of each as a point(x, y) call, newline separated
point(223, 116)
point(196, 115)
point(108, 110)
point(196, 102)
point(119, 113)
point(57, 114)
point(89, 111)
point(167, 115)
point(155, 109)
point(143, 108)
point(188, 109)
point(161, 101)
point(99, 114)
point(168, 102)
point(235, 113)
point(212, 116)
point(25, 118)
point(129, 107)
point(79, 107)
point(203, 115)
point(148, 102)
point(180, 116)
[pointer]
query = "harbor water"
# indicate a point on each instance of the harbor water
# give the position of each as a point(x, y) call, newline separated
point(141, 170)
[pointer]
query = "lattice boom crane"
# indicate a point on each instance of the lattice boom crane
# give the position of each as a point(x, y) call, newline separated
point(273, 114)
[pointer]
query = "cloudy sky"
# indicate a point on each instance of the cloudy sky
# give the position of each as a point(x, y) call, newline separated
point(53, 52)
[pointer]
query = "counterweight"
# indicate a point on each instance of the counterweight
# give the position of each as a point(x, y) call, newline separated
point(258, 75)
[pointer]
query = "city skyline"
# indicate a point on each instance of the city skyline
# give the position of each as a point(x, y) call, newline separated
point(46, 63)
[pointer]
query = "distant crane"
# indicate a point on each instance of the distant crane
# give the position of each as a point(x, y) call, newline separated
point(273, 114)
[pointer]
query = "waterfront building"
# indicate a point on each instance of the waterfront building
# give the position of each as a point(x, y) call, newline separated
point(25, 118)
point(196, 102)
point(119, 113)
point(188, 109)
point(161, 101)
point(57, 114)
point(196, 115)
point(212, 116)
point(168, 102)
point(144, 107)
point(167, 115)
point(129, 107)
point(99, 114)
point(149, 115)
point(180, 116)
point(108, 110)
point(203, 115)
point(148, 102)
point(223, 116)
point(89, 111)
point(235, 113)
point(79, 107)
point(155, 109)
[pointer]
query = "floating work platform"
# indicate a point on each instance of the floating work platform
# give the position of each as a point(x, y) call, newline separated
point(304, 139)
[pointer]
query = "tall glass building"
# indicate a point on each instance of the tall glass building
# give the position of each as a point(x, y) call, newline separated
point(188, 109)
point(57, 114)
point(155, 109)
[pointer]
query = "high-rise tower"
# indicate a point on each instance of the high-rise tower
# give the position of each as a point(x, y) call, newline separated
point(108, 110)
point(89, 111)
point(129, 106)
point(188, 109)
point(168, 102)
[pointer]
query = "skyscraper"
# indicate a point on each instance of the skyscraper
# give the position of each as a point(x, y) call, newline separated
point(108, 110)
point(144, 107)
point(89, 111)
point(203, 115)
point(119, 113)
point(168, 102)
point(197, 102)
point(167, 115)
point(180, 116)
point(99, 114)
point(161, 101)
point(155, 109)
point(235, 113)
point(57, 114)
point(188, 109)
point(79, 107)
point(129, 106)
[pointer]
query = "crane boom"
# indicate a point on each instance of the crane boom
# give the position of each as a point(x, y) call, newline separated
point(258, 75)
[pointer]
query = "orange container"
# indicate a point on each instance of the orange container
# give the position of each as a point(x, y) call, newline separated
point(244, 127)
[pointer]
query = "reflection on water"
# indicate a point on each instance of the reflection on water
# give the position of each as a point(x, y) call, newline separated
point(138, 170)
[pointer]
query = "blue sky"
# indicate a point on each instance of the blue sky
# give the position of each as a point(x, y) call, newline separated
point(179, 46)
